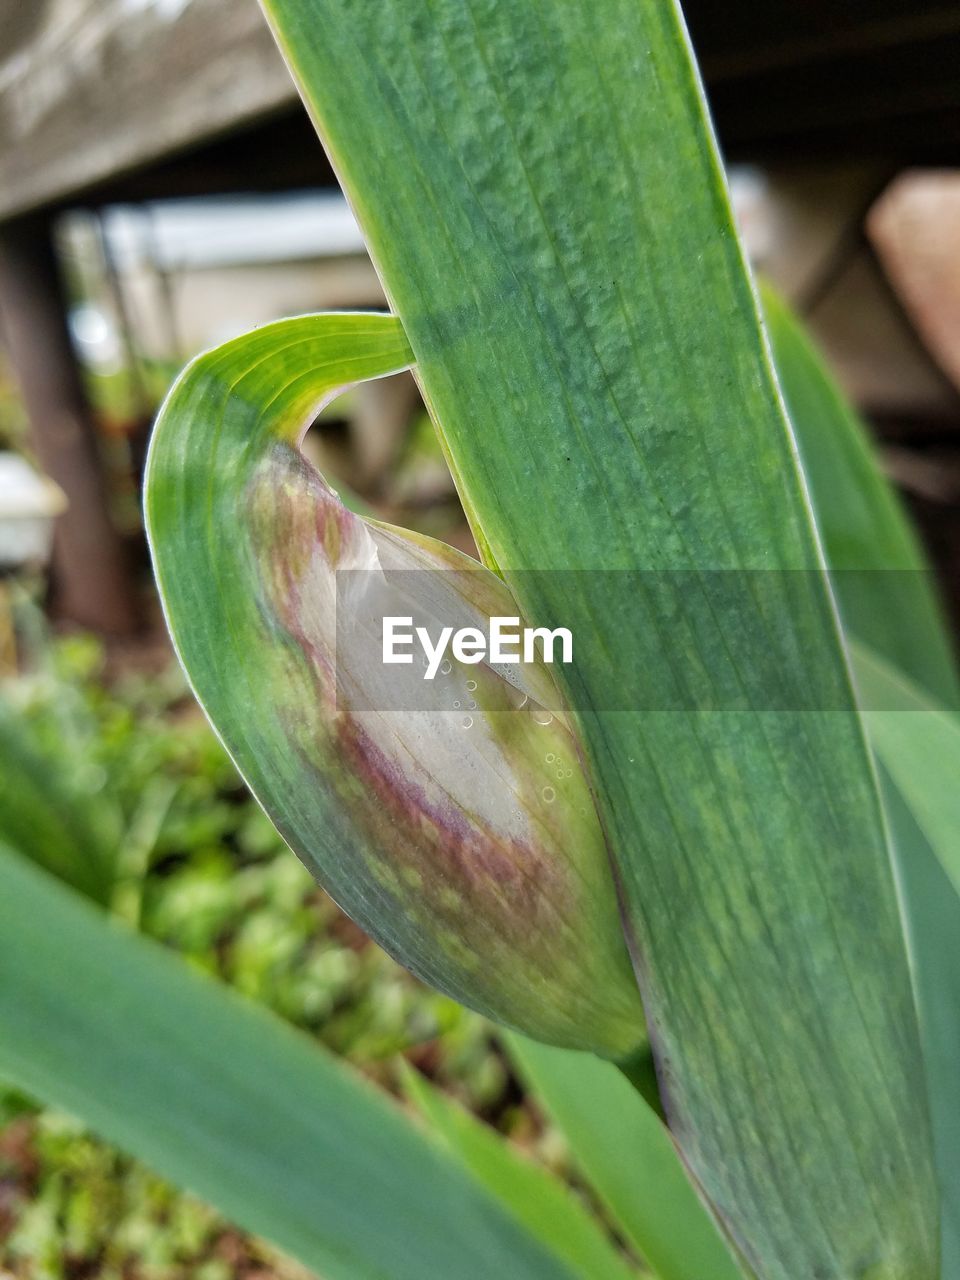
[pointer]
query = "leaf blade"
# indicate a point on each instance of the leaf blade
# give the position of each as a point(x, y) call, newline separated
point(585, 321)
point(627, 1155)
point(896, 615)
point(225, 1099)
point(883, 582)
point(549, 1210)
point(919, 744)
point(49, 818)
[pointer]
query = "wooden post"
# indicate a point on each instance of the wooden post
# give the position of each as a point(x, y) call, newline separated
point(92, 582)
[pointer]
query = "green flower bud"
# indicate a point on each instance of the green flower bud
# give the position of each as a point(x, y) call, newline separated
point(463, 839)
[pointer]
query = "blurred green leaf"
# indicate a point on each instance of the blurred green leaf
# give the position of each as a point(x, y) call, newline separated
point(883, 583)
point(232, 1103)
point(933, 913)
point(547, 1208)
point(45, 814)
point(886, 599)
point(918, 742)
point(626, 1154)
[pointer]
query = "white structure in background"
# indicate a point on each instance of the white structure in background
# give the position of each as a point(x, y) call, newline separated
point(234, 230)
point(229, 263)
point(196, 272)
point(28, 504)
point(174, 277)
point(95, 337)
point(219, 266)
point(750, 197)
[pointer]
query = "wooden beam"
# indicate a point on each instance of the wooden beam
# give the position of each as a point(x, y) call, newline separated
point(101, 99)
point(92, 582)
point(279, 153)
point(90, 89)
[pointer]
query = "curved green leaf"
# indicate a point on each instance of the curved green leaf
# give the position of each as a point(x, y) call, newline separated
point(447, 832)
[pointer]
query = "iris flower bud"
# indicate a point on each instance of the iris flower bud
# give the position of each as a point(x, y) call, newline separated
point(461, 837)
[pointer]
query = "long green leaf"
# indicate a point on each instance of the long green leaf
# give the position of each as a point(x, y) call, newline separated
point(626, 1154)
point(230, 1102)
point(918, 741)
point(547, 1208)
point(47, 817)
point(918, 750)
point(542, 196)
point(933, 909)
point(866, 535)
point(884, 586)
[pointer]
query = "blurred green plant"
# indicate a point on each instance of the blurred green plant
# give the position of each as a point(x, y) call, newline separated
point(195, 864)
point(83, 1208)
point(13, 421)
